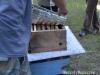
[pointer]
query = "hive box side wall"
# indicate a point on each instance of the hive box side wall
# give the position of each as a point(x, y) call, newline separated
point(48, 40)
point(55, 67)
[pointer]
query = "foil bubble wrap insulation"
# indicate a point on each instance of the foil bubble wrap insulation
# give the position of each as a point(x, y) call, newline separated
point(42, 15)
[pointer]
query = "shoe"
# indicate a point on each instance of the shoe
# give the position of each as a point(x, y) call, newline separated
point(83, 33)
point(95, 31)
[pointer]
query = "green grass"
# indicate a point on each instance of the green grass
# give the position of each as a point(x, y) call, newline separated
point(35, 2)
point(91, 43)
point(75, 22)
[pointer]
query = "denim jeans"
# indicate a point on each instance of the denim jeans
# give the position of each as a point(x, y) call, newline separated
point(14, 66)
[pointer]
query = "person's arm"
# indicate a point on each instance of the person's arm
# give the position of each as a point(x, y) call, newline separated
point(62, 6)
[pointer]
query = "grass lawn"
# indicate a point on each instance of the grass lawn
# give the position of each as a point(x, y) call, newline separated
point(91, 43)
point(90, 60)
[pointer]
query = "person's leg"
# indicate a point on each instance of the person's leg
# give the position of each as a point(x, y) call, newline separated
point(14, 66)
point(9, 66)
point(24, 66)
point(54, 8)
point(91, 4)
point(95, 23)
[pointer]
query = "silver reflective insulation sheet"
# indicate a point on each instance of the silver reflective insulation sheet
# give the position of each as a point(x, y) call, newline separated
point(41, 15)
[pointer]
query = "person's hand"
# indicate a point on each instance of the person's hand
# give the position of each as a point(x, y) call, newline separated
point(62, 11)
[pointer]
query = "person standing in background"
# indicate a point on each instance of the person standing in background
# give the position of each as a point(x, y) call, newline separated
point(90, 19)
point(48, 4)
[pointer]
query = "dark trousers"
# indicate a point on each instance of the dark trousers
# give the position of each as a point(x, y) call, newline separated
point(91, 15)
point(54, 8)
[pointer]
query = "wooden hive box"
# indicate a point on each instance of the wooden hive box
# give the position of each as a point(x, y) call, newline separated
point(45, 38)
